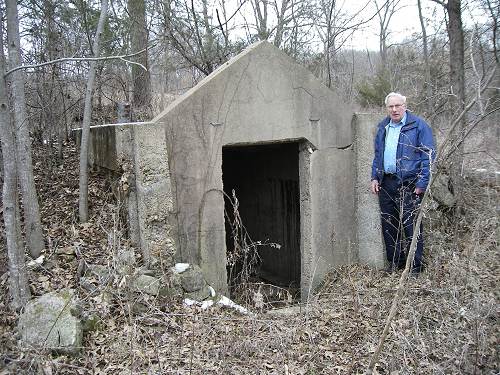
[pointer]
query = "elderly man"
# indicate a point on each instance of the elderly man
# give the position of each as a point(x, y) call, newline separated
point(404, 148)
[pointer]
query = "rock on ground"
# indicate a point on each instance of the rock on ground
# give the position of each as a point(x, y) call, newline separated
point(48, 323)
point(147, 284)
point(192, 279)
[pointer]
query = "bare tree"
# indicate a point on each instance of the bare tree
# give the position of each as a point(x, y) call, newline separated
point(385, 13)
point(18, 279)
point(260, 14)
point(83, 204)
point(492, 8)
point(427, 66)
point(194, 35)
point(283, 22)
point(50, 92)
point(281, 13)
point(33, 226)
point(335, 27)
point(457, 85)
point(141, 80)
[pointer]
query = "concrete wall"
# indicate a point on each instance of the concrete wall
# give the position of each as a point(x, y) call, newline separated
point(154, 195)
point(370, 244)
point(138, 156)
point(307, 260)
point(259, 96)
point(103, 148)
point(333, 212)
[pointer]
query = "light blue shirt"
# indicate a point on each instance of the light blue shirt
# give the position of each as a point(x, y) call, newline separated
point(392, 131)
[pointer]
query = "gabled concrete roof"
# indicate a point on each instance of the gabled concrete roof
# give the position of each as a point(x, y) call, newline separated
point(210, 77)
point(262, 95)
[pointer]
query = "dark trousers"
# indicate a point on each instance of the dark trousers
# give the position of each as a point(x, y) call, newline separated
point(399, 207)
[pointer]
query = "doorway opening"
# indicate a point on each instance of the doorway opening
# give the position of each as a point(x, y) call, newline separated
point(262, 218)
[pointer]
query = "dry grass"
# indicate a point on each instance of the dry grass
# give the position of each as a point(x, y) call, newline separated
point(447, 323)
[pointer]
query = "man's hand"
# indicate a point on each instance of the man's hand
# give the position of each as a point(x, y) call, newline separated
point(419, 191)
point(375, 187)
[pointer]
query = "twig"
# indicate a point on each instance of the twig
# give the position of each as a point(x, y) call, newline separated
point(80, 59)
point(401, 285)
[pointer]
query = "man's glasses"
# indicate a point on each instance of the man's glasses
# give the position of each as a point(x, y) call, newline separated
point(396, 106)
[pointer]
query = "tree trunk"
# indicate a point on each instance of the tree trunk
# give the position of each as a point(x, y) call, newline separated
point(427, 67)
point(261, 18)
point(33, 226)
point(83, 205)
point(385, 13)
point(18, 278)
point(280, 26)
point(329, 21)
point(139, 40)
point(457, 87)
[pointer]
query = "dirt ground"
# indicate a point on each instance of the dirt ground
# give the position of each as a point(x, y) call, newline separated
point(447, 322)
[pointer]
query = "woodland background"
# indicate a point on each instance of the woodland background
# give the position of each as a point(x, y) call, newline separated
point(66, 64)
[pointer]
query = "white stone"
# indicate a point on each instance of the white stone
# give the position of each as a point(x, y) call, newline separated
point(181, 267)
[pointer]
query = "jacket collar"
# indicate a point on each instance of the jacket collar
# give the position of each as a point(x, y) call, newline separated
point(410, 121)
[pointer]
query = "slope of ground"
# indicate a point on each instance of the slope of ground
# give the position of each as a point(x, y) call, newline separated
point(447, 322)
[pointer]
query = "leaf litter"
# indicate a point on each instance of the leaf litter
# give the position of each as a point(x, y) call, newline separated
point(447, 323)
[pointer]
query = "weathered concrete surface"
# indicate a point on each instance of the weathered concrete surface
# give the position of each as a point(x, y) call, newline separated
point(370, 244)
point(306, 235)
point(139, 154)
point(103, 148)
point(154, 195)
point(259, 96)
point(333, 218)
point(48, 323)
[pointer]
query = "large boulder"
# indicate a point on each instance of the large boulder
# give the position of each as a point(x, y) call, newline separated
point(49, 322)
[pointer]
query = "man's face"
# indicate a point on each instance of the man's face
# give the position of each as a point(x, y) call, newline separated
point(395, 108)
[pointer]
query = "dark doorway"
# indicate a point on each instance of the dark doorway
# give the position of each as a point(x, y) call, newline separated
point(265, 179)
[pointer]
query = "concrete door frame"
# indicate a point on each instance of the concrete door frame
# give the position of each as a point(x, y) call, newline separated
point(307, 258)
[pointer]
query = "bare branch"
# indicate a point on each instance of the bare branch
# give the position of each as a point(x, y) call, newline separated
point(442, 3)
point(474, 69)
point(80, 59)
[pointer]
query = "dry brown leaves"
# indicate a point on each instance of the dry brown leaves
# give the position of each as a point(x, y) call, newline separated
point(447, 323)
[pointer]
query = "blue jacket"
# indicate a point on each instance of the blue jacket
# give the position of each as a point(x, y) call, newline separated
point(414, 154)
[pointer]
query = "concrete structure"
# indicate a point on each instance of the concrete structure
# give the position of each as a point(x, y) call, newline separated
point(369, 239)
point(265, 127)
point(138, 159)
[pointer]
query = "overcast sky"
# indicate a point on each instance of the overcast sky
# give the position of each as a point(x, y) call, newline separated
point(404, 23)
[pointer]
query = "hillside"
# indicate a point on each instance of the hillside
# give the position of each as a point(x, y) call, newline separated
point(448, 321)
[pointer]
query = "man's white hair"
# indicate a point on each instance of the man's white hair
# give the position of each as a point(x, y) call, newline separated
point(397, 95)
